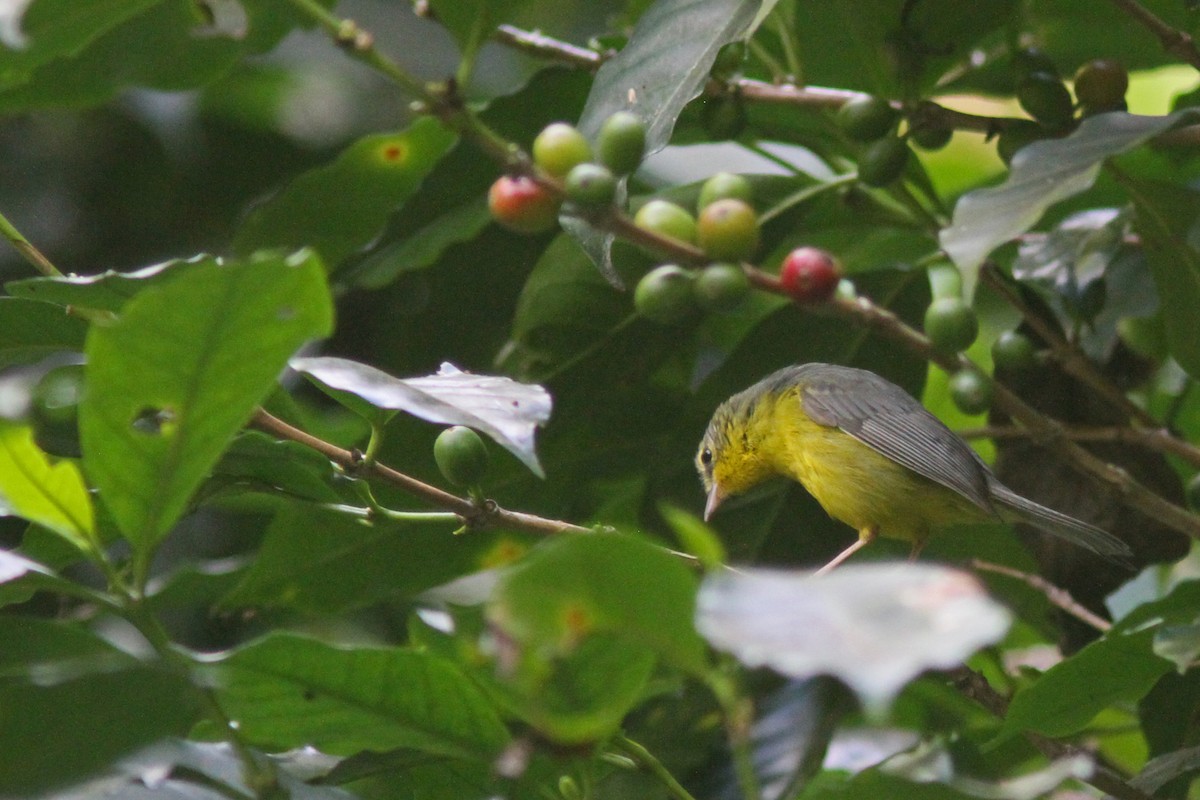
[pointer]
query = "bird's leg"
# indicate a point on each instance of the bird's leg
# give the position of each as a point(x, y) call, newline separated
point(865, 537)
point(917, 546)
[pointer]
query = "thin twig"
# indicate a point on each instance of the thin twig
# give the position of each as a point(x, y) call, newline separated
point(27, 249)
point(1055, 594)
point(537, 44)
point(648, 762)
point(1158, 439)
point(1176, 42)
point(1072, 359)
point(486, 515)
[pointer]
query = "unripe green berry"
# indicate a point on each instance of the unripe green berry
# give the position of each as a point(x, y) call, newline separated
point(665, 294)
point(461, 456)
point(1045, 98)
point(622, 142)
point(666, 218)
point(931, 137)
point(559, 148)
point(590, 186)
point(883, 161)
point(951, 324)
point(867, 118)
point(970, 391)
point(1013, 352)
point(1146, 336)
point(1015, 136)
point(727, 230)
point(724, 185)
point(721, 287)
point(729, 59)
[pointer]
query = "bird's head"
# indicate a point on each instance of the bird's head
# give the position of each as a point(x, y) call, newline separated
point(731, 458)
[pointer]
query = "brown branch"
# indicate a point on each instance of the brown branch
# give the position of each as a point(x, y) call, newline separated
point(537, 44)
point(1158, 439)
point(1175, 42)
point(1055, 594)
point(1072, 359)
point(976, 687)
point(486, 515)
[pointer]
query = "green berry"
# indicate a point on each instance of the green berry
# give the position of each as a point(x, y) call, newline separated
point(56, 396)
point(665, 294)
point(1100, 85)
point(727, 230)
point(667, 219)
point(1045, 98)
point(1014, 352)
point(1015, 136)
point(559, 148)
point(1146, 336)
point(622, 142)
point(461, 456)
point(931, 137)
point(951, 324)
point(883, 161)
point(590, 186)
point(970, 391)
point(521, 204)
point(867, 118)
point(721, 287)
point(722, 186)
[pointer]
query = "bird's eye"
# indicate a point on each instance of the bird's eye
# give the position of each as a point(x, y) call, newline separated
point(706, 456)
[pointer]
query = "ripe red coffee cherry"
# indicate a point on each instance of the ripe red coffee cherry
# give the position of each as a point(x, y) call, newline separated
point(810, 275)
point(520, 204)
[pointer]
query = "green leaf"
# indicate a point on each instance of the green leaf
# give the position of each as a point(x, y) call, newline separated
point(660, 70)
point(30, 330)
point(422, 248)
point(323, 561)
point(505, 410)
point(874, 626)
point(1118, 668)
point(573, 586)
point(288, 691)
point(172, 380)
point(257, 462)
point(107, 291)
point(1167, 217)
point(1042, 174)
point(52, 495)
point(51, 653)
point(340, 208)
point(472, 21)
point(55, 733)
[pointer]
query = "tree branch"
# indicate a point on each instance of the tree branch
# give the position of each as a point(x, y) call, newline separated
point(1055, 594)
point(1175, 42)
point(1158, 439)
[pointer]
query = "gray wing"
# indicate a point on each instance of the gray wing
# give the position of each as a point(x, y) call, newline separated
point(887, 419)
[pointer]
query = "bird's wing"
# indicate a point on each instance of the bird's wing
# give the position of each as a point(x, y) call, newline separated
point(887, 419)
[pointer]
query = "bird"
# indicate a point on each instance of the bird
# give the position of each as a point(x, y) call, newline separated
point(871, 455)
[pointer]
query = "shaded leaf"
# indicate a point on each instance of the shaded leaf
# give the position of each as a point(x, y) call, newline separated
point(1160, 771)
point(875, 627)
point(54, 734)
point(338, 209)
point(30, 330)
point(470, 22)
point(1180, 644)
point(423, 247)
point(1044, 173)
point(288, 691)
point(1167, 217)
point(257, 462)
point(575, 586)
point(107, 291)
point(1119, 667)
point(505, 410)
point(52, 495)
point(172, 380)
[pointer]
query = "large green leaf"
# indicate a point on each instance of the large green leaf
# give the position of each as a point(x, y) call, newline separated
point(30, 330)
point(56, 732)
point(325, 561)
point(1043, 174)
point(174, 378)
point(608, 583)
point(1119, 667)
point(52, 495)
point(287, 691)
point(1166, 217)
point(108, 290)
point(340, 208)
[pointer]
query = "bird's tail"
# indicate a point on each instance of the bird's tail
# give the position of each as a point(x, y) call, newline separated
point(1064, 526)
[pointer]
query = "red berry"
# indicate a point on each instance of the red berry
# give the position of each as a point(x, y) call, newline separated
point(521, 204)
point(810, 275)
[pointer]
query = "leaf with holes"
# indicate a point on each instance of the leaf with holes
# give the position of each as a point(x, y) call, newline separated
point(172, 380)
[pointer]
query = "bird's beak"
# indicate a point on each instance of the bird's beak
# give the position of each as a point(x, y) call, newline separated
point(715, 496)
